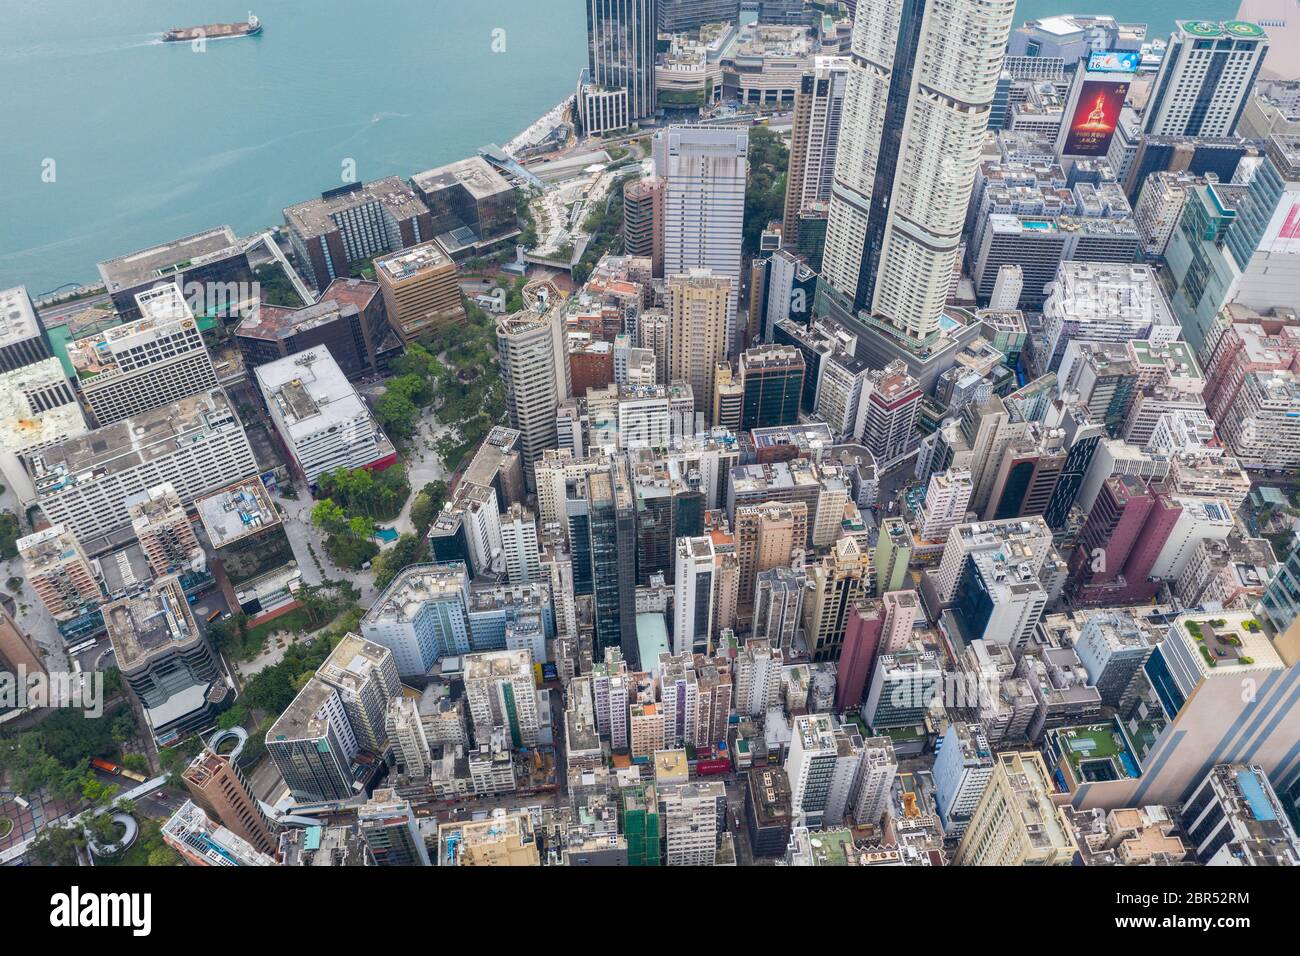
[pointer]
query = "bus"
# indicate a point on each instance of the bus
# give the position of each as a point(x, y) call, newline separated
point(215, 614)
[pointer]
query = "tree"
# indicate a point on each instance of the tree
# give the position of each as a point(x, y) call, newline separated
point(9, 534)
point(329, 517)
point(765, 190)
point(427, 504)
point(57, 846)
point(407, 550)
point(397, 415)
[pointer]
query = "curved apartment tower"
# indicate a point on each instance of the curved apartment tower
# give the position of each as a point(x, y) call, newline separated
point(915, 113)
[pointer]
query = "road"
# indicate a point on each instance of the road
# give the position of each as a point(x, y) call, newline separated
point(58, 314)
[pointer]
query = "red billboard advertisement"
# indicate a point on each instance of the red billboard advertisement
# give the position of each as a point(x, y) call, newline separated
point(1095, 116)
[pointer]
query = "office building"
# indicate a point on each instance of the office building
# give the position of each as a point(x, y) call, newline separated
point(210, 267)
point(621, 38)
point(887, 413)
point(391, 831)
point(38, 407)
point(422, 616)
point(643, 222)
point(530, 348)
point(349, 320)
point(352, 223)
point(166, 660)
point(1188, 711)
point(197, 444)
point(220, 790)
point(519, 545)
point(810, 766)
point(700, 312)
point(814, 139)
point(1113, 645)
point(758, 677)
point(364, 674)
point(407, 736)
point(704, 169)
point(682, 16)
point(246, 536)
point(201, 841)
point(1234, 818)
point(500, 691)
point(693, 589)
point(778, 605)
point(767, 536)
point(472, 207)
point(506, 838)
point(835, 585)
point(691, 815)
point(321, 419)
point(769, 815)
point(611, 520)
point(164, 531)
point(903, 688)
point(421, 292)
point(313, 747)
point(963, 766)
point(771, 382)
point(1104, 303)
point(23, 340)
point(142, 365)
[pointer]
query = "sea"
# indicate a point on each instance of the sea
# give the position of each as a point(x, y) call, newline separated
point(112, 141)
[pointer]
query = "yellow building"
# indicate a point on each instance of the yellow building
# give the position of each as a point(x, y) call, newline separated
point(506, 839)
point(1016, 823)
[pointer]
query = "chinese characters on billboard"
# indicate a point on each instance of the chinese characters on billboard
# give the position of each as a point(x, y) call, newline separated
point(1095, 116)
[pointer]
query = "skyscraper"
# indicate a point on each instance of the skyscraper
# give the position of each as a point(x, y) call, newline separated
point(216, 785)
point(1015, 822)
point(704, 170)
point(915, 113)
point(1205, 78)
point(771, 379)
point(693, 595)
point(621, 51)
point(611, 521)
point(530, 347)
point(700, 317)
point(818, 110)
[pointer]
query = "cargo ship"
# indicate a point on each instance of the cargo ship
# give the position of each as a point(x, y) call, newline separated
point(215, 31)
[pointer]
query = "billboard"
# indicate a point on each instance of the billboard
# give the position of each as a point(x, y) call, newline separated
point(1114, 61)
point(1096, 113)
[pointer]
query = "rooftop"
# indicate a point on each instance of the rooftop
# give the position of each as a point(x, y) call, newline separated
point(315, 217)
point(131, 442)
point(352, 663)
point(310, 392)
point(166, 260)
point(409, 262)
point(21, 424)
point(150, 623)
point(475, 174)
point(302, 719)
point(417, 585)
point(235, 512)
point(495, 665)
point(17, 318)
